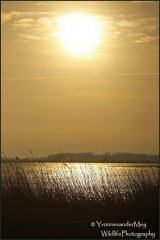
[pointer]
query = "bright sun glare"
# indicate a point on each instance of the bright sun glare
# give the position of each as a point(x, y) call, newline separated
point(79, 33)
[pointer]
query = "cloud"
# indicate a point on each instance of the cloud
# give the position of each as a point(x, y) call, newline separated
point(146, 39)
point(136, 34)
point(125, 23)
point(39, 25)
point(138, 74)
point(28, 36)
point(26, 20)
point(22, 20)
point(42, 23)
point(27, 78)
point(140, 30)
point(30, 25)
point(7, 16)
point(14, 15)
point(23, 23)
point(143, 1)
point(40, 3)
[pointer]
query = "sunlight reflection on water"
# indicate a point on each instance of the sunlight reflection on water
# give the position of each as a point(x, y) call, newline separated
point(92, 181)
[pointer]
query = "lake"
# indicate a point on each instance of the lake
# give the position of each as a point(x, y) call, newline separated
point(83, 181)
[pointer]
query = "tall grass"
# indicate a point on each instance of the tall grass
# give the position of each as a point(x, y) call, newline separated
point(36, 196)
point(75, 183)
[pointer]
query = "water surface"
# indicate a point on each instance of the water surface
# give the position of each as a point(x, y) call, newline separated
point(84, 181)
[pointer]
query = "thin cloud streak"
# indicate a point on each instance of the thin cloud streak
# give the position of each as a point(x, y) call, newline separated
point(137, 74)
point(143, 1)
point(25, 78)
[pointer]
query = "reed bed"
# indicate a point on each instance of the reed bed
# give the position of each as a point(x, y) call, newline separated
point(39, 195)
point(77, 183)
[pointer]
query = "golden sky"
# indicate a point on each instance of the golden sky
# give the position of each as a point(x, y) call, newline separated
point(104, 101)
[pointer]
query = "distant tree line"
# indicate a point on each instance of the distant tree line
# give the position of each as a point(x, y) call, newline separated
point(91, 157)
point(106, 157)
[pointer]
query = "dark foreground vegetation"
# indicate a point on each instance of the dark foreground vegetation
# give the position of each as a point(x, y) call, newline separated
point(40, 212)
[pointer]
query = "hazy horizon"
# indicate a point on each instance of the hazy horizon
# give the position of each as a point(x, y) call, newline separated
point(106, 101)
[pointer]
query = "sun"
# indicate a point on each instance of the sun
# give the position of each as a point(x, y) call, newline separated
point(79, 33)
